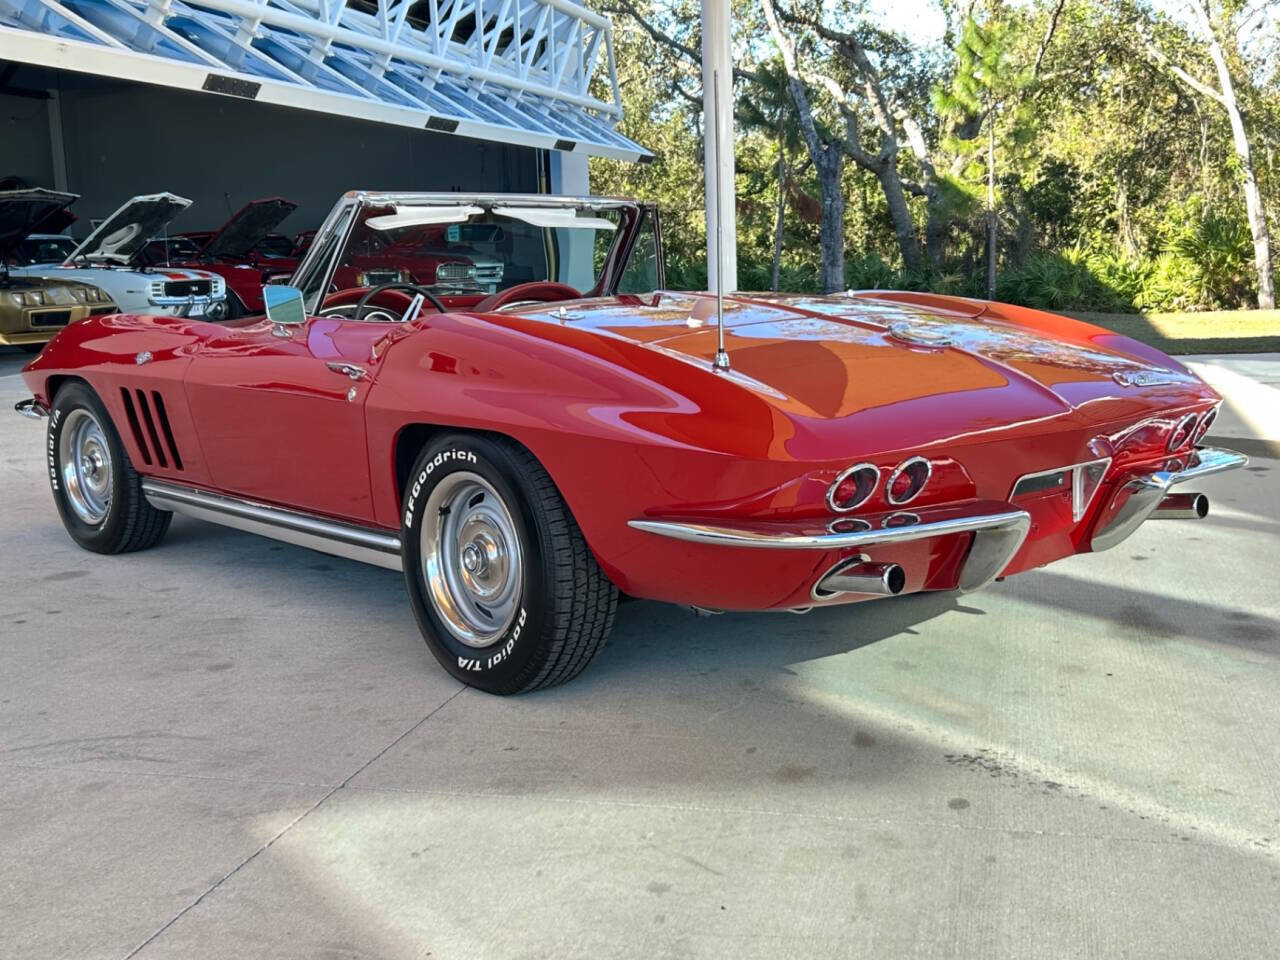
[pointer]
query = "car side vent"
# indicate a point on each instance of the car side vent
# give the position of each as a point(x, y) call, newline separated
point(163, 417)
point(131, 414)
point(148, 421)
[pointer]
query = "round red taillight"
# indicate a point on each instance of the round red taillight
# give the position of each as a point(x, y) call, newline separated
point(1205, 423)
point(907, 480)
point(1182, 432)
point(853, 487)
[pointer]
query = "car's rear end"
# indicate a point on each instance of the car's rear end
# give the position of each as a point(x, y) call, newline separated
point(856, 450)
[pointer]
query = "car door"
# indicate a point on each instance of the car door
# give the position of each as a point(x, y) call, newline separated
point(282, 418)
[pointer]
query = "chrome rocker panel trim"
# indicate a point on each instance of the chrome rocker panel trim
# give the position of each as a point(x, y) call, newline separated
point(997, 537)
point(1145, 493)
point(31, 407)
point(292, 526)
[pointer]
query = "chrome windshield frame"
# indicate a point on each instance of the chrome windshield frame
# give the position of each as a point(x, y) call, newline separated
point(358, 200)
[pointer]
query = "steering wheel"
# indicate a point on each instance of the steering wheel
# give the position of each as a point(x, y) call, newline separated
point(361, 298)
point(539, 291)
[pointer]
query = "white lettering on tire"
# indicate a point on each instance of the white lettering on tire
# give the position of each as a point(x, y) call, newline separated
point(444, 456)
point(466, 663)
point(54, 418)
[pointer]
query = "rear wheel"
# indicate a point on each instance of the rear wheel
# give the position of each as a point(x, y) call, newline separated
point(506, 592)
point(98, 493)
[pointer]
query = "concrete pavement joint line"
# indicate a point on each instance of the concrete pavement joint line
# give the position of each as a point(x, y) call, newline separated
point(797, 815)
point(289, 826)
point(155, 773)
point(1116, 797)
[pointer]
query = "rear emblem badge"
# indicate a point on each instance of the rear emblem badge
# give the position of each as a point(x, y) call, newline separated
point(143, 357)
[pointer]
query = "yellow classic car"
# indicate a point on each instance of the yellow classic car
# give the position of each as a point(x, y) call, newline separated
point(33, 309)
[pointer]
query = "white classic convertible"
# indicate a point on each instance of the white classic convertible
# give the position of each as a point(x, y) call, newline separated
point(110, 259)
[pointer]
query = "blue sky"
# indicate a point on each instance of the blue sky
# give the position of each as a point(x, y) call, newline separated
point(921, 20)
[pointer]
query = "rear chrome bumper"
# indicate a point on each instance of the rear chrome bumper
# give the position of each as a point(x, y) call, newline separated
point(1140, 497)
point(998, 530)
point(32, 408)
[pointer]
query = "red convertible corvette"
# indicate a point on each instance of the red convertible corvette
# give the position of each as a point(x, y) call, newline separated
point(526, 456)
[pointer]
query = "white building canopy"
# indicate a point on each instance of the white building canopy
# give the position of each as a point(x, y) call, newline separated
point(511, 71)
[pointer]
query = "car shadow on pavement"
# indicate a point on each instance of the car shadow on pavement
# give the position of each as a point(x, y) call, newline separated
point(661, 637)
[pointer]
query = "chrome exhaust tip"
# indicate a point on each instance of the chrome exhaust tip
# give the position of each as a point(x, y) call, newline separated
point(1182, 506)
point(859, 576)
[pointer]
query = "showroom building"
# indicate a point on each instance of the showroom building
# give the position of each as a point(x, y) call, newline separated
point(229, 100)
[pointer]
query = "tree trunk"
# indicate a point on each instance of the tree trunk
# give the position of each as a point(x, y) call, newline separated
point(1252, 197)
point(778, 218)
point(829, 169)
point(828, 160)
point(904, 228)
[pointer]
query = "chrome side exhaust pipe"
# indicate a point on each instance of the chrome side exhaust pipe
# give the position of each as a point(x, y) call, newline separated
point(1182, 506)
point(875, 579)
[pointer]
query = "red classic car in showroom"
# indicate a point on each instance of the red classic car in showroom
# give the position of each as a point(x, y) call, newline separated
point(232, 252)
point(413, 256)
point(527, 456)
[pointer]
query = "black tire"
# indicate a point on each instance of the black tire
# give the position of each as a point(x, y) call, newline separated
point(235, 306)
point(129, 521)
point(563, 604)
point(31, 347)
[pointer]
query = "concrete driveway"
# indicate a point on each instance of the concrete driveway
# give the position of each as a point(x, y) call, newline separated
point(226, 747)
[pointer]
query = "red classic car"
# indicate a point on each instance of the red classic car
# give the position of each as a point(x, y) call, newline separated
point(408, 256)
point(234, 252)
point(527, 456)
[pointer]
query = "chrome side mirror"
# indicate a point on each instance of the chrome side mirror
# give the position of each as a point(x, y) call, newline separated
point(285, 308)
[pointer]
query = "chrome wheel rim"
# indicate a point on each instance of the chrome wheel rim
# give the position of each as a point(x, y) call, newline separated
point(472, 561)
point(85, 460)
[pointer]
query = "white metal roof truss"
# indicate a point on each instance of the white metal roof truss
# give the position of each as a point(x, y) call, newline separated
point(511, 71)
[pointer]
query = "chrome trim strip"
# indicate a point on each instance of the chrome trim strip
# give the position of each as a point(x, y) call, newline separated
point(1209, 460)
point(731, 537)
point(997, 538)
point(1146, 493)
point(31, 407)
point(292, 526)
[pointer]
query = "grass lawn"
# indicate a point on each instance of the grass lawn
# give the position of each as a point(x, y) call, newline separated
point(1225, 331)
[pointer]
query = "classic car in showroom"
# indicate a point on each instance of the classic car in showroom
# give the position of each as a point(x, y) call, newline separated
point(231, 252)
point(413, 256)
point(526, 456)
point(33, 309)
point(112, 257)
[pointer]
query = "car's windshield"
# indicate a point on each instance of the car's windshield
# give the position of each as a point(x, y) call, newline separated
point(44, 249)
point(481, 247)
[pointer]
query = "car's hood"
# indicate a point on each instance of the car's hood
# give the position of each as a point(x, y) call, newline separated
point(123, 234)
point(830, 358)
point(249, 227)
point(22, 212)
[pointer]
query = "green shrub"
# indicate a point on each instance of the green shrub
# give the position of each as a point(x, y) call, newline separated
point(1220, 252)
point(1172, 283)
point(870, 272)
point(1058, 281)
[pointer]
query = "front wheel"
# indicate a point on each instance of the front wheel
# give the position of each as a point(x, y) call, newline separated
point(98, 493)
point(507, 594)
